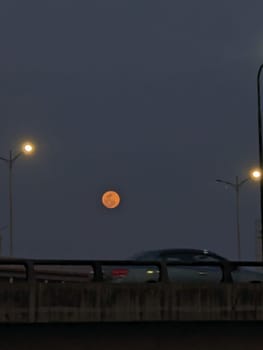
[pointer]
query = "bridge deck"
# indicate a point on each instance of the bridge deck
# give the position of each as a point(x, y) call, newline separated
point(130, 336)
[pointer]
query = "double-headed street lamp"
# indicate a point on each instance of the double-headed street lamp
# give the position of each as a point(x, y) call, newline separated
point(27, 148)
point(254, 175)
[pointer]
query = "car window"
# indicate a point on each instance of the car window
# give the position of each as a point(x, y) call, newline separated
point(178, 257)
point(173, 258)
point(204, 258)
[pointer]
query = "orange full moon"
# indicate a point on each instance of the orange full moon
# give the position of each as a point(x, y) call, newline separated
point(111, 199)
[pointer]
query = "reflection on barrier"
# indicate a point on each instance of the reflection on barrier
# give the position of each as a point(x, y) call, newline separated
point(96, 270)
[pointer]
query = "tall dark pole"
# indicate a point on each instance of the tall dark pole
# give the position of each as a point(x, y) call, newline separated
point(236, 186)
point(260, 156)
point(1, 238)
point(10, 165)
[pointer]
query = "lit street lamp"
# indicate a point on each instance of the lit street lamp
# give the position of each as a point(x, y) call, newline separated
point(254, 175)
point(27, 148)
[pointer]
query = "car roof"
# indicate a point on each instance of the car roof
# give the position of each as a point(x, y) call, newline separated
point(175, 251)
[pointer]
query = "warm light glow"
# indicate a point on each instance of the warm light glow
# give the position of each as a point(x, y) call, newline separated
point(28, 148)
point(111, 199)
point(255, 174)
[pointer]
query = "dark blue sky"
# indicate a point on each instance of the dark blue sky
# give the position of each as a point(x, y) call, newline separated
point(155, 99)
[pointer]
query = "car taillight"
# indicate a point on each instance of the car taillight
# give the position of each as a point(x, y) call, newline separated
point(119, 272)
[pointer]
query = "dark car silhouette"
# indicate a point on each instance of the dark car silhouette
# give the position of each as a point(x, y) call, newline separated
point(210, 273)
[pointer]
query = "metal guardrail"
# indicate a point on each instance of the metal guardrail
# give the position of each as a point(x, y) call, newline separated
point(32, 272)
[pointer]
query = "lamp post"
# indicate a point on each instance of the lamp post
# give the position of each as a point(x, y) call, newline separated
point(260, 154)
point(2, 228)
point(26, 149)
point(255, 175)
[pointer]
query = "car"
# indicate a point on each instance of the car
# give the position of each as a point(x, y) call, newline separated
point(145, 270)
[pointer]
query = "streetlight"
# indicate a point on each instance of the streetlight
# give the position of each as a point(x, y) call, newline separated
point(254, 175)
point(27, 148)
point(260, 154)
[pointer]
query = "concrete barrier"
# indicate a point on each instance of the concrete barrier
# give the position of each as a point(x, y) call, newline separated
point(34, 302)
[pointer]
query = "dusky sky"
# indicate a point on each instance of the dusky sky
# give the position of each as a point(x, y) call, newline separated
point(155, 99)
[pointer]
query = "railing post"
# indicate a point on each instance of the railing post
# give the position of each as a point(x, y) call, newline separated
point(163, 272)
point(227, 269)
point(98, 275)
point(31, 278)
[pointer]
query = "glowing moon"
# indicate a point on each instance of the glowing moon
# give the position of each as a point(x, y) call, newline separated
point(111, 199)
